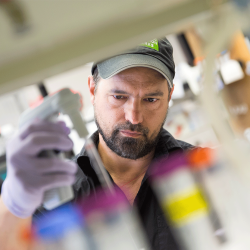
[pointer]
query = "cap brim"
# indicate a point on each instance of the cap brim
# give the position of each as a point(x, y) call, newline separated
point(114, 65)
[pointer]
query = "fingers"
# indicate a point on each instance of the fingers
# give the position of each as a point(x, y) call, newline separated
point(47, 166)
point(40, 174)
point(38, 141)
point(37, 126)
point(57, 180)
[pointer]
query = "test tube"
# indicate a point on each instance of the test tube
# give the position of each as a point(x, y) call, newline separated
point(112, 222)
point(64, 229)
point(202, 163)
point(98, 166)
point(183, 203)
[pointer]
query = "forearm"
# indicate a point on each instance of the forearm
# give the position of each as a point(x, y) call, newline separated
point(11, 228)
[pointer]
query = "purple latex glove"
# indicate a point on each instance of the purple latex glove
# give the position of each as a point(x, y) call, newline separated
point(29, 176)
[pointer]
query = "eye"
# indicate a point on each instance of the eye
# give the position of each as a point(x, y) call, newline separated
point(151, 100)
point(119, 97)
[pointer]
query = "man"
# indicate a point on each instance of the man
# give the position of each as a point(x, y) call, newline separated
point(130, 93)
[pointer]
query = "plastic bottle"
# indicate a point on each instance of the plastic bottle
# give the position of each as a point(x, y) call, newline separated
point(227, 195)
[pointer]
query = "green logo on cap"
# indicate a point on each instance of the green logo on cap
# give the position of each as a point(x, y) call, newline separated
point(152, 44)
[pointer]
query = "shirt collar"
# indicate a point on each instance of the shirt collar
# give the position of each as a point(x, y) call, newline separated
point(95, 139)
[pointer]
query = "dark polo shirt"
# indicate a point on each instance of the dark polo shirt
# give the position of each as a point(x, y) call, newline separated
point(150, 212)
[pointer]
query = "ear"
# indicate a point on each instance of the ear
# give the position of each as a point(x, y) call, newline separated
point(170, 96)
point(91, 85)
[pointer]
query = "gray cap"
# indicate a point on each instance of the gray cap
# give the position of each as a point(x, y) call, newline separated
point(157, 55)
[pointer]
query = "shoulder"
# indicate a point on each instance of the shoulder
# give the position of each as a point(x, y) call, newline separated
point(167, 140)
point(168, 144)
point(185, 146)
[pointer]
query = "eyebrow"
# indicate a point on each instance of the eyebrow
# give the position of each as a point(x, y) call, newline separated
point(118, 91)
point(158, 93)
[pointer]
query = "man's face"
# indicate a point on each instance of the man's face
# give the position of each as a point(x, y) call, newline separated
point(130, 110)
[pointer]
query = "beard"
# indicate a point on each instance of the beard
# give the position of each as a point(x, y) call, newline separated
point(127, 147)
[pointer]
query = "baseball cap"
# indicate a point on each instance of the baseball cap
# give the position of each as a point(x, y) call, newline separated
point(156, 54)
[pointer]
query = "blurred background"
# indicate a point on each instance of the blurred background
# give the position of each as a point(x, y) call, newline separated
point(47, 46)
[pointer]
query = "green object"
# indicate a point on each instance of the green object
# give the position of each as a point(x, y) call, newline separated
point(152, 44)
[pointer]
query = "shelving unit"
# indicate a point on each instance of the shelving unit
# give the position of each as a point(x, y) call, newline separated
point(61, 35)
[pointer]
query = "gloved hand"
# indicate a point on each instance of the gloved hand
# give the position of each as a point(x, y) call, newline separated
point(29, 176)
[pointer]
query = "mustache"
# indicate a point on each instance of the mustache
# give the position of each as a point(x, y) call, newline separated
point(133, 127)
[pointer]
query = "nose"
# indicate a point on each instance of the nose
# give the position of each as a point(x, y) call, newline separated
point(133, 111)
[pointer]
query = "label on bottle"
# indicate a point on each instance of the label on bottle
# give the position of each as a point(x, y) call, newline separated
point(183, 207)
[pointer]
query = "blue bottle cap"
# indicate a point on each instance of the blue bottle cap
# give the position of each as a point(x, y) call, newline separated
point(58, 222)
